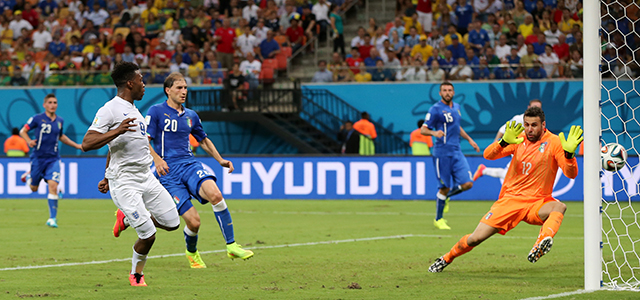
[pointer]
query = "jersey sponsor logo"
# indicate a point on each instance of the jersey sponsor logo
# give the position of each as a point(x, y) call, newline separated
point(176, 199)
point(147, 119)
point(542, 146)
point(59, 125)
point(30, 120)
point(135, 215)
point(489, 214)
point(166, 114)
point(125, 114)
point(189, 122)
point(96, 121)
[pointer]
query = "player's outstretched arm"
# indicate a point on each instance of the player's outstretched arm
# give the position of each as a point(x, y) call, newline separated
point(573, 140)
point(467, 137)
point(95, 140)
point(512, 133)
point(208, 146)
point(424, 130)
point(566, 156)
point(507, 144)
point(24, 133)
point(103, 185)
point(161, 166)
point(67, 141)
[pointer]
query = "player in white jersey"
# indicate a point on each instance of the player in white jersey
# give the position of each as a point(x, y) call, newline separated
point(134, 189)
point(502, 172)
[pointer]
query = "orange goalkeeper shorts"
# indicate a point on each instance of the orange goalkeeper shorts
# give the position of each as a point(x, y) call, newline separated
point(507, 212)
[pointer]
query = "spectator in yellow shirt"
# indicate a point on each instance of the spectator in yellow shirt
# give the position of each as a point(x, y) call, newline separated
point(412, 22)
point(452, 31)
point(363, 75)
point(526, 28)
point(566, 24)
point(425, 50)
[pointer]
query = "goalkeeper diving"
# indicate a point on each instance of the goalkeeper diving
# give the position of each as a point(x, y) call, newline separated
point(526, 192)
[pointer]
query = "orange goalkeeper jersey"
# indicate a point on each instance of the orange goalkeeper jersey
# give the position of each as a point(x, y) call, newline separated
point(533, 168)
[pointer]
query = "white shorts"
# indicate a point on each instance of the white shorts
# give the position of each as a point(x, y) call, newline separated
point(426, 19)
point(141, 195)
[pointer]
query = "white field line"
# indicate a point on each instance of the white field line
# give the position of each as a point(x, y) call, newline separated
point(364, 213)
point(218, 251)
point(578, 292)
point(97, 262)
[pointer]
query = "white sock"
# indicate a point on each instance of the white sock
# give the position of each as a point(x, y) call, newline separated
point(52, 197)
point(220, 206)
point(441, 196)
point(495, 172)
point(188, 232)
point(137, 262)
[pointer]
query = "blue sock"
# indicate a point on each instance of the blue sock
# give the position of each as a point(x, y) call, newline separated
point(223, 217)
point(440, 201)
point(456, 190)
point(53, 206)
point(191, 239)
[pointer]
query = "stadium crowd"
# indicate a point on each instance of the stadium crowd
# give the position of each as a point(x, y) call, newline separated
point(67, 42)
point(486, 39)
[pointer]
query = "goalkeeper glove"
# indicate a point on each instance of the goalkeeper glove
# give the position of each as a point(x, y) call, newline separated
point(573, 140)
point(511, 133)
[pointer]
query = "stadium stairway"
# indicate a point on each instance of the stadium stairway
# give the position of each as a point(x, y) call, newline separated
point(306, 119)
point(304, 66)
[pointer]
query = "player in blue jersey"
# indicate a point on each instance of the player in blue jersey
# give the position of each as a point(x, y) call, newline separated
point(452, 168)
point(45, 157)
point(169, 125)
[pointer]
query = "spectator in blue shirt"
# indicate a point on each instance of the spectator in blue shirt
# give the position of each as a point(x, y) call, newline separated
point(457, 49)
point(514, 60)
point(48, 7)
point(551, 3)
point(472, 60)
point(482, 72)
point(373, 58)
point(413, 38)
point(478, 37)
point(7, 5)
point(538, 47)
point(436, 56)
point(75, 49)
point(380, 73)
point(536, 72)
point(530, 5)
point(322, 75)
point(397, 27)
point(464, 12)
point(448, 61)
point(268, 47)
point(57, 47)
point(504, 72)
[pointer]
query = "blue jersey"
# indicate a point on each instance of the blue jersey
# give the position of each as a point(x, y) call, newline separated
point(445, 118)
point(170, 131)
point(47, 134)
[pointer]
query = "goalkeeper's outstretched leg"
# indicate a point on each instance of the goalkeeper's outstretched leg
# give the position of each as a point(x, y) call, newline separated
point(464, 245)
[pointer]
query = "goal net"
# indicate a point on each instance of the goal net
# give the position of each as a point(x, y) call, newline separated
point(620, 123)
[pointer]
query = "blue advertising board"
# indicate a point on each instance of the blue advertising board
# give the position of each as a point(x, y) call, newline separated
point(398, 177)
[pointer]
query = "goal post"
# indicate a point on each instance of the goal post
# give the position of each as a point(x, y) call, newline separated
point(592, 128)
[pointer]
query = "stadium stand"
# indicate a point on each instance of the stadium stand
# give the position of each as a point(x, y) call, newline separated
point(133, 31)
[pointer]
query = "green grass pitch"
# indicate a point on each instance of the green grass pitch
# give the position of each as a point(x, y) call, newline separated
point(297, 256)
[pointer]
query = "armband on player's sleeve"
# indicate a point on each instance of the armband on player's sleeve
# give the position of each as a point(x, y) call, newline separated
point(569, 155)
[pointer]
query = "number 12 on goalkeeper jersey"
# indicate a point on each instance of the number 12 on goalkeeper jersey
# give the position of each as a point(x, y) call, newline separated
point(170, 129)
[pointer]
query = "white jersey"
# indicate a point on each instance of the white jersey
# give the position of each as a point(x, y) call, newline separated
point(129, 151)
point(519, 120)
